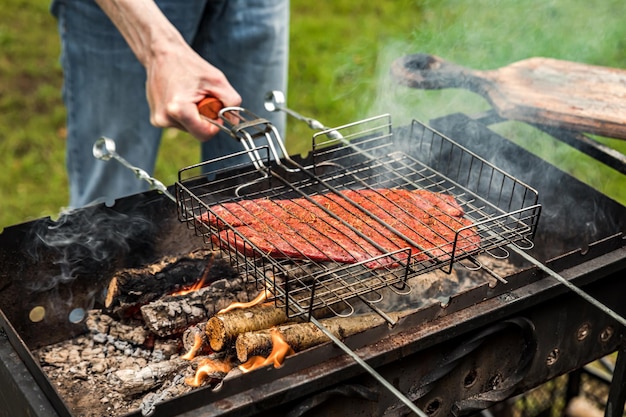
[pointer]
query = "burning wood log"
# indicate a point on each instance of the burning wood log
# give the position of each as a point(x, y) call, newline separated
point(175, 313)
point(210, 368)
point(191, 344)
point(222, 329)
point(301, 336)
point(280, 351)
point(133, 287)
point(133, 381)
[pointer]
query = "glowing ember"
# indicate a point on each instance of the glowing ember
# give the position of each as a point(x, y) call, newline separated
point(199, 284)
point(195, 287)
point(197, 344)
point(280, 350)
point(257, 300)
point(209, 368)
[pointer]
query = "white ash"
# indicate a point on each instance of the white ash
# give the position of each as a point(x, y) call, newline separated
point(100, 375)
point(109, 370)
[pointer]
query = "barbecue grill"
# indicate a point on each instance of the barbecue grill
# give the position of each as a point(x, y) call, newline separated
point(465, 353)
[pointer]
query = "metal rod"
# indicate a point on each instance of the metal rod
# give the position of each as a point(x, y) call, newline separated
point(369, 369)
point(275, 101)
point(569, 285)
point(380, 312)
point(104, 149)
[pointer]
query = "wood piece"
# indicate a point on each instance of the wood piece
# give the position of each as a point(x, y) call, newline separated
point(223, 329)
point(168, 391)
point(564, 94)
point(173, 314)
point(301, 336)
point(133, 381)
point(213, 368)
point(131, 288)
point(190, 340)
point(189, 335)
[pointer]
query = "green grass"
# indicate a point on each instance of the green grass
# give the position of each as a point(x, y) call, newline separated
point(341, 52)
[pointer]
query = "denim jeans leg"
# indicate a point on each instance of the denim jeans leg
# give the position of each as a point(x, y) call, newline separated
point(104, 95)
point(248, 41)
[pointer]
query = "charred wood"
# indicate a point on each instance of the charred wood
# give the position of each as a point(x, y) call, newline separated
point(169, 390)
point(173, 314)
point(210, 370)
point(190, 337)
point(131, 288)
point(132, 381)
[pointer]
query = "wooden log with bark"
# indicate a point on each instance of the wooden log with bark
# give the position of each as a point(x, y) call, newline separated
point(131, 288)
point(222, 329)
point(301, 336)
point(173, 314)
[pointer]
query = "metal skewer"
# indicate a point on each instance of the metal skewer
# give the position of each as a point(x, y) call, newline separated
point(275, 101)
point(386, 384)
point(571, 286)
point(104, 149)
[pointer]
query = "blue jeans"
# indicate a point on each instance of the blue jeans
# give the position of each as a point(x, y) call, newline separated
point(104, 84)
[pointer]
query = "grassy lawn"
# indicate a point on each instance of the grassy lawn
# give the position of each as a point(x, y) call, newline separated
point(340, 57)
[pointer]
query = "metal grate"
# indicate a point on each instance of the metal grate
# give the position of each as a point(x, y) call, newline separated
point(364, 156)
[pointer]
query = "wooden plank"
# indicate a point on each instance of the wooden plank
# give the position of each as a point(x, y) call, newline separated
point(564, 94)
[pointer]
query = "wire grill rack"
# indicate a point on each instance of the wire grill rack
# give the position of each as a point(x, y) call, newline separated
point(365, 155)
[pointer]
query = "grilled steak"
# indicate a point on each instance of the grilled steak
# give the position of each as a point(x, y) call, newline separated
point(348, 227)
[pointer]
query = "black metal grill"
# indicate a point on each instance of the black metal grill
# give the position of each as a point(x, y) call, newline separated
point(519, 334)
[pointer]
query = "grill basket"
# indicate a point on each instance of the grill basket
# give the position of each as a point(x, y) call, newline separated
point(358, 156)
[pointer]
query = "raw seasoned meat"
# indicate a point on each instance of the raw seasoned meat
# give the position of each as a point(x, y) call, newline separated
point(348, 227)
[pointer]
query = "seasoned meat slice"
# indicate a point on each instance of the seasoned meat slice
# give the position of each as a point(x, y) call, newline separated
point(348, 227)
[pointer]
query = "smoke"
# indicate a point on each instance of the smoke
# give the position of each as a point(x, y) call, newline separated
point(86, 242)
point(490, 34)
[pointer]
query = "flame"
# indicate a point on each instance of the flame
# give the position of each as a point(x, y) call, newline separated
point(195, 287)
point(264, 295)
point(208, 368)
point(280, 350)
point(197, 344)
point(198, 284)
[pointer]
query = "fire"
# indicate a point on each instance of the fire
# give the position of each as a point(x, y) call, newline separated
point(280, 350)
point(197, 344)
point(264, 295)
point(209, 368)
point(198, 284)
point(195, 287)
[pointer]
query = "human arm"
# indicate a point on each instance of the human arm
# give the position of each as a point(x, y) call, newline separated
point(177, 77)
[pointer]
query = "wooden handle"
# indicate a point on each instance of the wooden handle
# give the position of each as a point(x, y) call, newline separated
point(210, 107)
point(433, 73)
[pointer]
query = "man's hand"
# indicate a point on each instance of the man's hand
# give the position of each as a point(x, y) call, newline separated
point(177, 77)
